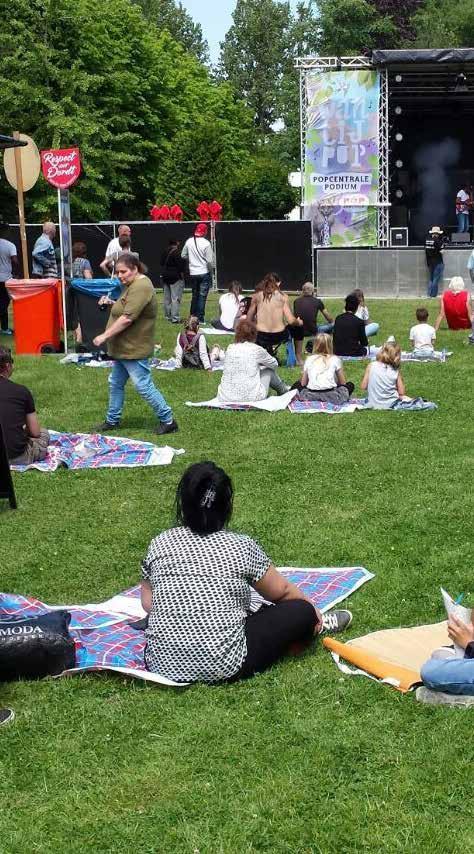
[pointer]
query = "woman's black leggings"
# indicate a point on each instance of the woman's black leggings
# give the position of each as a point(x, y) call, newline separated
point(271, 631)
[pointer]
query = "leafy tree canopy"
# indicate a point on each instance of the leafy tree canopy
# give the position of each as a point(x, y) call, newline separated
point(171, 16)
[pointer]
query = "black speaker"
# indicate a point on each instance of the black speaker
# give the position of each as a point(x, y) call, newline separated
point(460, 237)
point(399, 237)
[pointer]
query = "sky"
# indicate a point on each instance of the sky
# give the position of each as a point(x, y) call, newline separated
point(215, 17)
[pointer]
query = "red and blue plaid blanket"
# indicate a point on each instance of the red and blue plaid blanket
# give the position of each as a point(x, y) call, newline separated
point(84, 451)
point(106, 640)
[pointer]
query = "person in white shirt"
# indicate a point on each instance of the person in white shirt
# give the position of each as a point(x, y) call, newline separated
point(422, 335)
point(115, 247)
point(191, 347)
point(198, 252)
point(463, 199)
point(323, 377)
point(229, 305)
point(363, 313)
point(8, 264)
point(249, 370)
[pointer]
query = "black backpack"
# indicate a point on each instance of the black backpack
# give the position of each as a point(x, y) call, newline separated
point(191, 357)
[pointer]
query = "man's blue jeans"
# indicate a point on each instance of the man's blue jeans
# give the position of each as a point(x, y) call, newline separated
point(435, 279)
point(200, 288)
point(452, 675)
point(463, 222)
point(139, 372)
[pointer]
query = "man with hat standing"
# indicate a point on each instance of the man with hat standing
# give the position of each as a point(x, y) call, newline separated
point(434, 244)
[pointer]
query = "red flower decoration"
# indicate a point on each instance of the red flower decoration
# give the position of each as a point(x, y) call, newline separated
point(215, 210)
point(203, 210)
point(176, 213)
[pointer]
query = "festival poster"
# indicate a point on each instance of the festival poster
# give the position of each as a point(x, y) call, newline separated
point(341, 158)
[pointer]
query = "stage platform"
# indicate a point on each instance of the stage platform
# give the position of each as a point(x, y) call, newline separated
point(384, 273)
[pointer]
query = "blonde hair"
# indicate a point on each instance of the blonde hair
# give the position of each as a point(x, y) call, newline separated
point(390, 354)
point(191, 324)
point(322, 346)
point(456, 285)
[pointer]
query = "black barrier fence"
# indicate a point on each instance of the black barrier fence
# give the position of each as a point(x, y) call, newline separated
point(247, 250)
point(243, 250)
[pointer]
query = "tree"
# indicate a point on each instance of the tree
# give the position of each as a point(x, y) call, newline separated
point(352, 27)
point(436, 26)
point(263, 191)
point(254, 55)
point(401, 14)
point(167, 15)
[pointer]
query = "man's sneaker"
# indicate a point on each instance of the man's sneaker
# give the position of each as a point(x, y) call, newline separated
point(336, 621)
point(106, 427)
point(163, 428)
point(6, 331)
point(6, 716)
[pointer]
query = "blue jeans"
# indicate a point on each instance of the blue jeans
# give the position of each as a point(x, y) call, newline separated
point(435, 279)
point(452, 675)
point(139, 372)
point(200, 288)
point(463, 222)
point(325, 327)
point(371, 329)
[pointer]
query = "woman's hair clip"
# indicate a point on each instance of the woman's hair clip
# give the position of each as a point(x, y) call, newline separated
point(208, 498)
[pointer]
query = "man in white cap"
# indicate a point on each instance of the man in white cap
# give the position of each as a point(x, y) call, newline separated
point(434, 244)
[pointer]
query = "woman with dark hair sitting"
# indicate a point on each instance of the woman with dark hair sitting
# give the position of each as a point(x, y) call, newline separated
point(249, 370)
point(229, 308)
point(273, 314)
point(197, 582)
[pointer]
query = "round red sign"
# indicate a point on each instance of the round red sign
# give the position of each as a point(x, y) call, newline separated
point(61, 167)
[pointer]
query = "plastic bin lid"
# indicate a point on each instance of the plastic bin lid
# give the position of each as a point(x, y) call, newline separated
point(24, 288)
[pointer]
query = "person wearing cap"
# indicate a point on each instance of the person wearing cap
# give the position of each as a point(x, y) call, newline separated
point(434, 244)
point(197, 251)
point(455, 306)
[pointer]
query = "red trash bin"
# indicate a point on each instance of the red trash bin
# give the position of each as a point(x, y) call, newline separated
point(37, 314)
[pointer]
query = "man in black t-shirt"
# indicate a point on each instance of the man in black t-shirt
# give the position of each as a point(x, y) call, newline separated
point(349, 331)
point(434, 245)
point(307, 307)
point(26, 442)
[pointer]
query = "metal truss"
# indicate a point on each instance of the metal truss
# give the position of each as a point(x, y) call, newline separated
point(383, 221)
point(334, 63)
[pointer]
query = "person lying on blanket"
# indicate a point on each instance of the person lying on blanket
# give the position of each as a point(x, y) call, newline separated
point(25, 440)
point(249, 370)
point(448, 673)
point(323, 376)
point(384, 383)
point(197, 580)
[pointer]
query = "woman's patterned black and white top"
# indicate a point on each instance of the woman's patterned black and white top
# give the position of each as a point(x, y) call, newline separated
point(200, 602)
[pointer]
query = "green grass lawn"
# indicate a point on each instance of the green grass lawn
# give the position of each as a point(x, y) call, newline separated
point(299, 759)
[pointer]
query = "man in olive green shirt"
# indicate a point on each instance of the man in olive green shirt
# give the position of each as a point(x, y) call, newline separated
point(130, 337)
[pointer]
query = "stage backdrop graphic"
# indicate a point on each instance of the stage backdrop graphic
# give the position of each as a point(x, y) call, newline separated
point(342, 156)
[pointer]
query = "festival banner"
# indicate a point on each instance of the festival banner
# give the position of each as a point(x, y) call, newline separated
point(342, 156)
point(61, 167)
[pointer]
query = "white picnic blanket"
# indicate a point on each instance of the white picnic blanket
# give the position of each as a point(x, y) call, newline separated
point(275, 403)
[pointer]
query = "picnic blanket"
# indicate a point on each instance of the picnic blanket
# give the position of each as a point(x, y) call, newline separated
point(209, 330)
point(84, 451)
point(407, 356)
point(90, 360)
point(170, 364)
point(275, 403)
point(391, 656)
point(106, 640)
point(310, 407)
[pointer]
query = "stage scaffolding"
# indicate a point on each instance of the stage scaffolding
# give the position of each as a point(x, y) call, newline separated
point(338, 63)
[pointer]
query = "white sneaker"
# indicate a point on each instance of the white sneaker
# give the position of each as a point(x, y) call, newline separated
point(336, 621)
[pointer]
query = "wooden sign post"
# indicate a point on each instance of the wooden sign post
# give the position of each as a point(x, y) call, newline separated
point(22, 166)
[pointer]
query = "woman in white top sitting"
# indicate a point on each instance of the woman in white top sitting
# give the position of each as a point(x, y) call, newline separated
point(229, 304)
point(363, 313)
point(323, 377)
point(249, 371)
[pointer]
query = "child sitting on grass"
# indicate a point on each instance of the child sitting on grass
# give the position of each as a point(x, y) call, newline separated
point(422, 335)
point(323, 377)
point(383, 380)
point(191, 347)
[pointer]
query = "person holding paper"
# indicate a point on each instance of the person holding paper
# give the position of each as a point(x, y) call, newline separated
point(454, 673)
